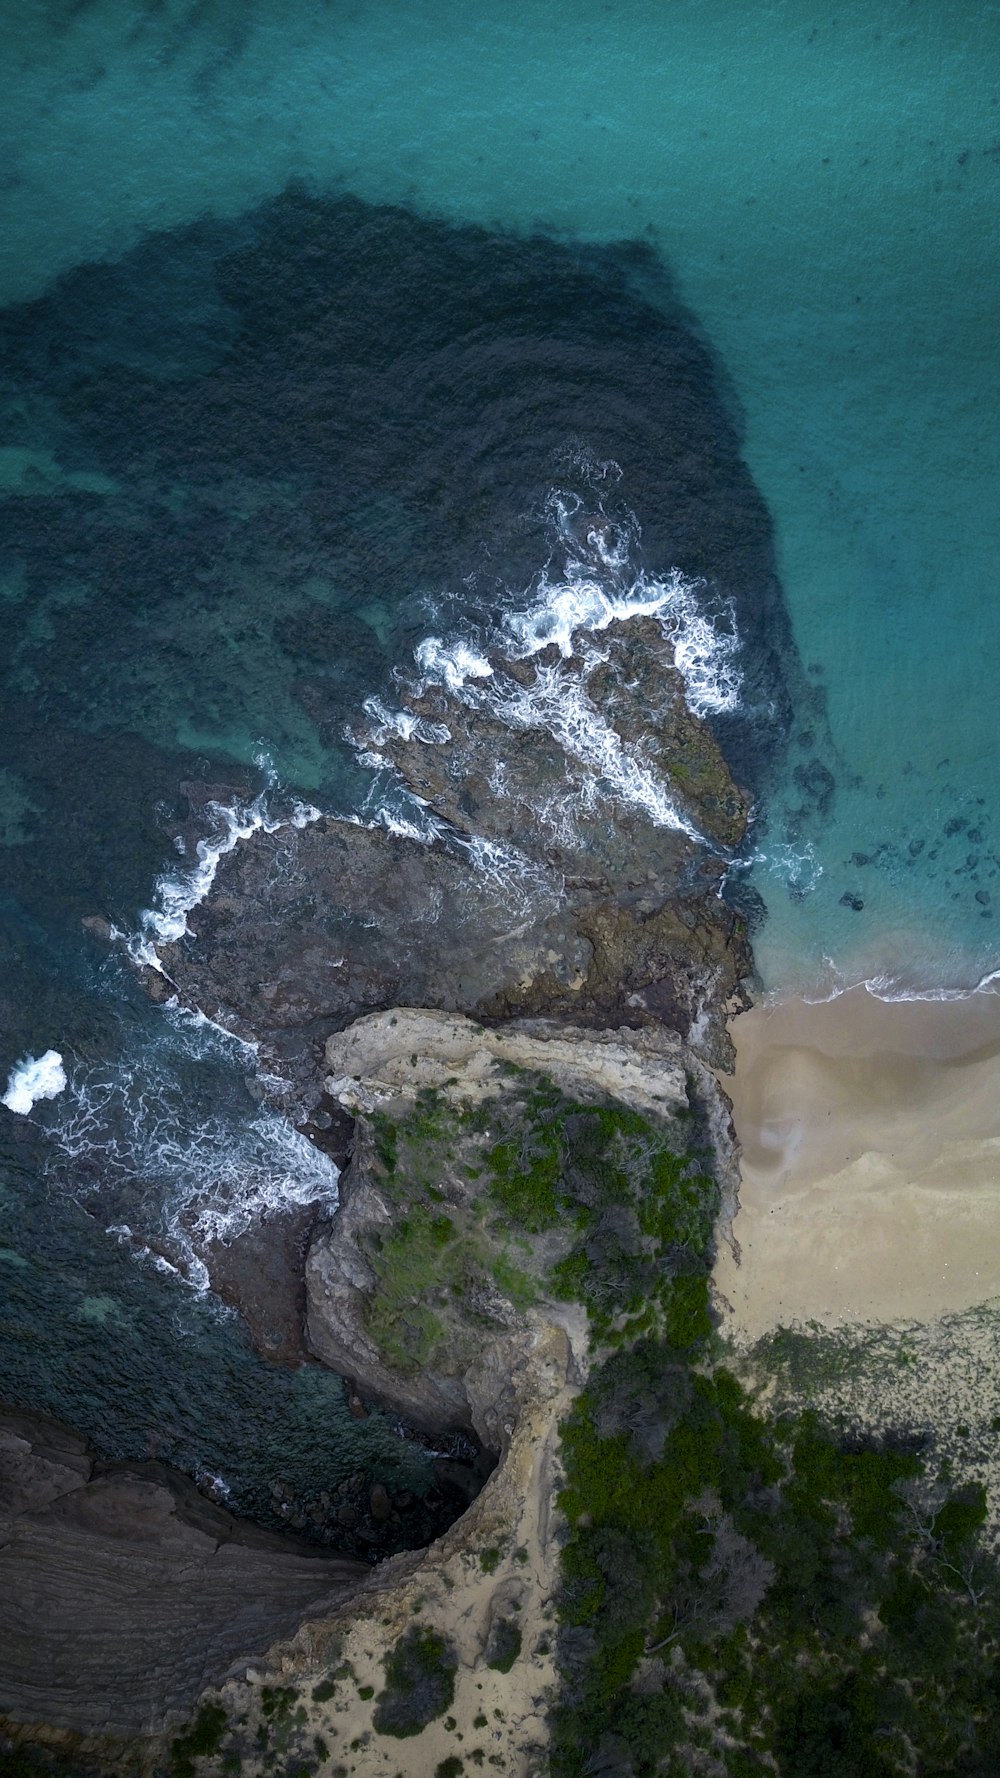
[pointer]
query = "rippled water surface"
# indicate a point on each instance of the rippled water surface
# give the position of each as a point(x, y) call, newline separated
point(312, 320)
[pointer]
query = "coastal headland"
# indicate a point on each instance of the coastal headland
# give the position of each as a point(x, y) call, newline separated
point(510, 1027)
point(513, 1029)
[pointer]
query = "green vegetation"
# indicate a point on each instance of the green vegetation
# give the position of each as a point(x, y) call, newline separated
point(419, 1683)
point(439, 1270)
point(505, 1646)
point(770, 1595)
point(635, 1214)
point(742, 1593)
point(200, 1740)
point(276, 1701)
point(622, 1214)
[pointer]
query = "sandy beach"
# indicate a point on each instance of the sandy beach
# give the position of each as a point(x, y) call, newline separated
point(871, 1161)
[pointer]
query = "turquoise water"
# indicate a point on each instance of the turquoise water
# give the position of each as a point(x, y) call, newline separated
point(226, 518)
point(823, 185)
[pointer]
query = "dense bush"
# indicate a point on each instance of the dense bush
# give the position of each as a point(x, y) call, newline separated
point(740, 1594)
point(419, 1683)
point(831, 1602)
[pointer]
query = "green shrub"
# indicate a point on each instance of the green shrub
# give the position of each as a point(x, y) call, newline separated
point(419, 1683)
point(200, 1740)
point(504, 1646)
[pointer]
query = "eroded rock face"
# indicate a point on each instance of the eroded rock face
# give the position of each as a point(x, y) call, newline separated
point(124, 1592)
point(400, 1054)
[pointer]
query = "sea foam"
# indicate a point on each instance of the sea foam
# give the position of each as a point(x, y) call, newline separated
point(177, 893)
point(167, 1139)
point(37, 1077)
point(597, 584)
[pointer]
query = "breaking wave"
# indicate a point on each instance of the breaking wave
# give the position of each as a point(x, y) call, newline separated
point(179, 891)
point(597, 584)
point(173, 1144)
point(36, 1077)
point(177, 1150)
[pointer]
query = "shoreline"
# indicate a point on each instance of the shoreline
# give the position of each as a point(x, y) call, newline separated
point(870, 1138)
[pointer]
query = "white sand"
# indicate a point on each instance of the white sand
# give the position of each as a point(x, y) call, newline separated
point(871, 1161)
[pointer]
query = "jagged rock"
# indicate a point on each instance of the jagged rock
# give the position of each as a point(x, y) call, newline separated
point(486, 760)
point(585, 818)
point(310, 930)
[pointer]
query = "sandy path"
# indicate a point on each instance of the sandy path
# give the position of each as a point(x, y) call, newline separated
point(871, 1161)
point(499, 1561)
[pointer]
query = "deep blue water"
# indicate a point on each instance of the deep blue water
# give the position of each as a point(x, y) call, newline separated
point(305, 321)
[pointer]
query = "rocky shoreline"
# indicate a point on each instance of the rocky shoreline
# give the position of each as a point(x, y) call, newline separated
point(450, 1013)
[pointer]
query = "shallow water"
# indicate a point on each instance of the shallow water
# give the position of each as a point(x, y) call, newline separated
point(255, 445)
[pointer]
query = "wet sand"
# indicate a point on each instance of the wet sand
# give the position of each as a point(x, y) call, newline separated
point(871, 1161)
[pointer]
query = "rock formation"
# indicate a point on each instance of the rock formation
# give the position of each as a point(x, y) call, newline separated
point(124, 1592)
point(579, 822)
point(386, 1067)
point(520, 1012)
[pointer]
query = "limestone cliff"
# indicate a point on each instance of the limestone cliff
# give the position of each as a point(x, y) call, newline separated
point(385, 1068)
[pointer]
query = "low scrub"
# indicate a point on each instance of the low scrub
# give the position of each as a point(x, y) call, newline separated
point(419, 1683)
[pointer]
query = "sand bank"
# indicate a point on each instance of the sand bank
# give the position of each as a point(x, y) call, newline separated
point(871, 1161)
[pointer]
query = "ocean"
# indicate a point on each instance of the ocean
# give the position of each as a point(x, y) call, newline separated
point(321, 328)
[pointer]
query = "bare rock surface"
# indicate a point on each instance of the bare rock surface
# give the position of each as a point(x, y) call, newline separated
point(582, 758)
point(581, 821)
point(406, 1051)
point(124, 1592)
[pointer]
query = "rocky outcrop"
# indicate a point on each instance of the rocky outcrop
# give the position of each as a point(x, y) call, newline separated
point(536, 755)
point(549, 967)
point(484, 1364)
point(436, 1069)
point(407, 1051)
point(581, 820)
point(124, 1592)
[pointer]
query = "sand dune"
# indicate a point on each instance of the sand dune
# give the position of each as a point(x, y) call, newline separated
point(871, 1161)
